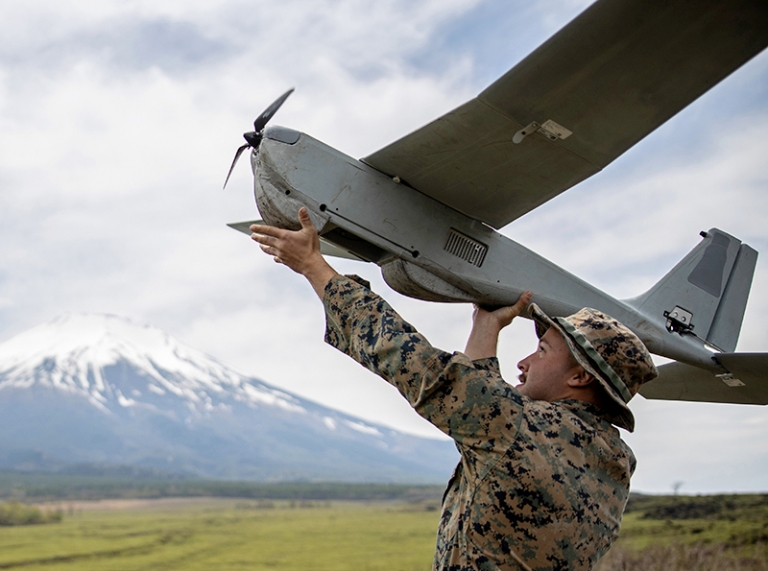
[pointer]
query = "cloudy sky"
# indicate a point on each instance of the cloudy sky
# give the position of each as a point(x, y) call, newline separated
point(119, 119)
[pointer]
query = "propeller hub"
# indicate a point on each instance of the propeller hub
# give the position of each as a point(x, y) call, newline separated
point(253, 138)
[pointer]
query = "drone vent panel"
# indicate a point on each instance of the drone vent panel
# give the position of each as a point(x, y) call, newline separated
point(465, 248)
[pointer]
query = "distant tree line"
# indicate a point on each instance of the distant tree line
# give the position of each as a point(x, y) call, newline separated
point(48, 487)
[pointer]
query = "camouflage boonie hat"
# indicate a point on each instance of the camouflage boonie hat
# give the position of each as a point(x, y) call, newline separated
point(607, 350)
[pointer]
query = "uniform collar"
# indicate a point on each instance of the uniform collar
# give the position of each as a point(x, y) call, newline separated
point(587, 412)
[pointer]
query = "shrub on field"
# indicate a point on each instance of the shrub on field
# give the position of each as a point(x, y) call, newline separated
point(678, 557)
point(16, 513)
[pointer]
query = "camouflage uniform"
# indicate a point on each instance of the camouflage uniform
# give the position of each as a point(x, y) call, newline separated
point(539, 486)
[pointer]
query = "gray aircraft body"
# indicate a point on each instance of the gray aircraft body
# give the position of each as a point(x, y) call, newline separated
point(427, 207)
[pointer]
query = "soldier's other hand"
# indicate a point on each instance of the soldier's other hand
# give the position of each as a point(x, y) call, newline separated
point(502, 316)
point(486, 325)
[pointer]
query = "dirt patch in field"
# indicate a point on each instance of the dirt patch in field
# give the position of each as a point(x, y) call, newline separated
point(134, 504)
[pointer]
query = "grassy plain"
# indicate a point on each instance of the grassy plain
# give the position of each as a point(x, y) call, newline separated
point(707, 533)
point(692, 533)
point(228, 535)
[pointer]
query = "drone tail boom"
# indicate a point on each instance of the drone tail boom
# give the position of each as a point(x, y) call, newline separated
point(706, 292)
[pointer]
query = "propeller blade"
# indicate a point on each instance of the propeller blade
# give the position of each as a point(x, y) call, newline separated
point(253, 139)
point(264, 118)
point(234, 162)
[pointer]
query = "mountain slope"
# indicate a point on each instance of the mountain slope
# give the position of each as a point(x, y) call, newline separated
point(100, 388)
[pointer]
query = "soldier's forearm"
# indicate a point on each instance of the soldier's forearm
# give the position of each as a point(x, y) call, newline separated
point(482, 341)
point(318, 274)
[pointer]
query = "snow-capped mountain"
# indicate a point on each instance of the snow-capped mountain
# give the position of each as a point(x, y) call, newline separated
point(72, 354)
point(101, 388)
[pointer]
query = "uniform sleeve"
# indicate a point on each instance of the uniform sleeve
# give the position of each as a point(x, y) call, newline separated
point(489, 364)
point(467, 400)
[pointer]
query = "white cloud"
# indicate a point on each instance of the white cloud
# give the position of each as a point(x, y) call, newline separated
point(112, 159)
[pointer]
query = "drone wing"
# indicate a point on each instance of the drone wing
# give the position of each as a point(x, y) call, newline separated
point(589, 93)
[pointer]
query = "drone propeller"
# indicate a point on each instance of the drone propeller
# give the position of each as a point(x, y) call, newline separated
point(253, 138)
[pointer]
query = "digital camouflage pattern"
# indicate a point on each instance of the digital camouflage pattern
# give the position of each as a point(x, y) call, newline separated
point(539, 486)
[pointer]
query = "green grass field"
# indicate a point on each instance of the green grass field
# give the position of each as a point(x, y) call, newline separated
point(698, 533)
point(227, 534)
point(723, 533)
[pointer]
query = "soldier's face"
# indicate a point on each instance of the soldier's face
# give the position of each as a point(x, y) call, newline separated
point(544, 374)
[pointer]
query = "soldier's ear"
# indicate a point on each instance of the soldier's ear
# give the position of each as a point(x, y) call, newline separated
point(581, 378)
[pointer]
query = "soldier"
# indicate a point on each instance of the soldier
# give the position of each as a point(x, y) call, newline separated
point(544, 475)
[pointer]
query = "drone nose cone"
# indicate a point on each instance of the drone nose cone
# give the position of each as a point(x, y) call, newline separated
point(253, 138)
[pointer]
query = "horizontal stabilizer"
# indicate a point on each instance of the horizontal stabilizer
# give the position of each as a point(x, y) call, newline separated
point(745, 383)
point(326, 248)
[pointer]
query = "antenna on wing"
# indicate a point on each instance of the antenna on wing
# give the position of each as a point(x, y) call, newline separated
point(253, 138)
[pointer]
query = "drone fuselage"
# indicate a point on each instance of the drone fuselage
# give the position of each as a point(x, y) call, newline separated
point(426, 249)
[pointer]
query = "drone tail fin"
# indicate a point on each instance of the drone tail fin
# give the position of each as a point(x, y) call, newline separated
point(726, 325)
point(706, 292)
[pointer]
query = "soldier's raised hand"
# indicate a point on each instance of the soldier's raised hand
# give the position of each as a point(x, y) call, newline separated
point(299, 250)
